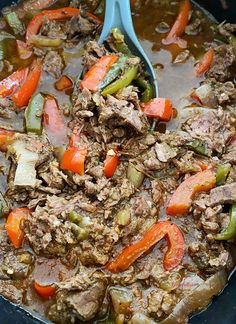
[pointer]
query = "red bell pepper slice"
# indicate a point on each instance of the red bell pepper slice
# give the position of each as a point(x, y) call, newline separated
point(13, 225)
point(57, 14)
point(205, 62)
point(181, 200)
point(7, 137)
point(111, 163)
point(157, 232)
point(63, 83)
point(159, 108)
point(74, 159)
point(12, 82)
point(179, 25)
point(175, 251)
point(53, 122)
point(22, 96)
point(98, 71)
point(44, 291)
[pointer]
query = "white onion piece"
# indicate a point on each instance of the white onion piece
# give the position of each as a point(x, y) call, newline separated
point(121, 299)
point(26, 160)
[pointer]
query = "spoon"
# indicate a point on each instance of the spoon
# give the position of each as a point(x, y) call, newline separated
point(118, 15)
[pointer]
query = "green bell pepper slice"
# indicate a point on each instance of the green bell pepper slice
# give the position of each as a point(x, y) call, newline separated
point(33, 115)
point(222, 173)
point(123, 82)
point(198, 147)
point(147, 93)
point(114, 72)
point(15, 23)
point(230, 231)
point(120, 43)
point(74, 217)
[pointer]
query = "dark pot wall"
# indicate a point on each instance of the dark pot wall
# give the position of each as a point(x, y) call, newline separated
point(221, 9)
point(223, 309)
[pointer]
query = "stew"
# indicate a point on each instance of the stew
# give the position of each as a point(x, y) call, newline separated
point(116, 207)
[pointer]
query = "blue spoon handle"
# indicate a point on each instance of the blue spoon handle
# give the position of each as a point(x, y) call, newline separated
point(118, 14)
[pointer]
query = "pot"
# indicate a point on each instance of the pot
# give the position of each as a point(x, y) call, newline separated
point(223, 308)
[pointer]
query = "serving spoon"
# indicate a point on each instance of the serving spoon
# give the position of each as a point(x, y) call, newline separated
point(118, 15)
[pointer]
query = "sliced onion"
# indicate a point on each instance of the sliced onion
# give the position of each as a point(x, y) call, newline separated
point(121, 300)
point(135, 177)
point(123, 216)
point(205, 96)
point(5, 35)
point(26, 160)
point(39, 40)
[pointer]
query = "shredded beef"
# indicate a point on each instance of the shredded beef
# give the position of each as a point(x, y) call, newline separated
point(53, 64)
point(120, 113)
point(48, 229)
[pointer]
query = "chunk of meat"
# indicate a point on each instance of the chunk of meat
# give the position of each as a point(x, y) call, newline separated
point(230, 153)
point(97, 249)
point(9, 291)
point(53, 64)
point(120, 113)
point(225, 92)
point(223, 67)
point(165, 152)
point(211, 127)
point(223, 195)
point(160, 303)
point(75, 305)
point(52, 29)
point(48, 229)
point(92, 54)
point(79, 25)
point(17, 265)
point(53, 176)
point(112, 195)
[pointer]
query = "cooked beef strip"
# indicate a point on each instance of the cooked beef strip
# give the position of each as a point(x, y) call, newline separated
point(223, 195)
